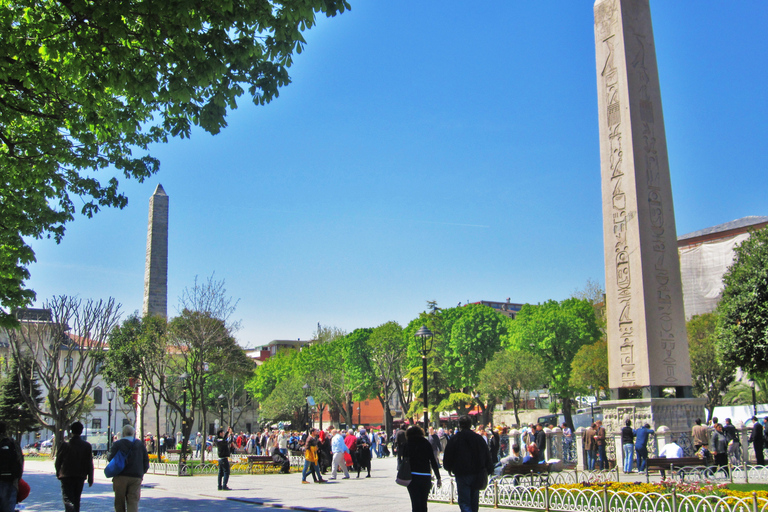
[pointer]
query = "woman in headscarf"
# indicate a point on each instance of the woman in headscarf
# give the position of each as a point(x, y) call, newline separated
point(363, 450)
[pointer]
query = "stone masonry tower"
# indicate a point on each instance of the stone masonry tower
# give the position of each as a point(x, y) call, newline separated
point(649, 365)
point(156, 269)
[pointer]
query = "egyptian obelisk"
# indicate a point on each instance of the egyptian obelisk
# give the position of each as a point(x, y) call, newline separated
point(649, 365)
point(156, 267)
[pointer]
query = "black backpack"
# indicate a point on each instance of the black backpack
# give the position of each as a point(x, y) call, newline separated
point(10, 469)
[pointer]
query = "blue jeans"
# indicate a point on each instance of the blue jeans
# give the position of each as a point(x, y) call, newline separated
point(223, 473)
point(642, 457)
point(468, 489)
point(629, 451)
point(590, 459)
point(7, 495)
point(601, 456)
point(312, 469)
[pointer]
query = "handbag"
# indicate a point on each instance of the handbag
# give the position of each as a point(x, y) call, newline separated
point(117, 464)
point(404, 475)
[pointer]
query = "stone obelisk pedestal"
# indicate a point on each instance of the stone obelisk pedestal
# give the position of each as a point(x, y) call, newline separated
point(647, 344)
point(156, 268)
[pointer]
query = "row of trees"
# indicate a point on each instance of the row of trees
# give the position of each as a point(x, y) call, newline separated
point(479, 358)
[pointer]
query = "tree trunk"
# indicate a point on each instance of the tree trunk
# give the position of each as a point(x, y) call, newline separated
point(157, 427)
point(204, 431)
point(567, 411)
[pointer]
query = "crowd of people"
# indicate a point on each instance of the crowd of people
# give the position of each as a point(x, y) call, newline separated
point(714, 442)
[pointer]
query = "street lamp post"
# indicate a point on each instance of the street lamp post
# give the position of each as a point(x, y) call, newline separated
point(427, 339)
point(110, 397)
point(221, 410)
point(305, 387)
point(183, 454)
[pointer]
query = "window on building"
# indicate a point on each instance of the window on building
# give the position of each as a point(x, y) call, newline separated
point(68, 364)
point(97, 399)
point(126, 421)
point(96, 424)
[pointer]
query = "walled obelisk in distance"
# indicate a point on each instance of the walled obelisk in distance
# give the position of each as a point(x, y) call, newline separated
point(647, 343)
point(156, 269)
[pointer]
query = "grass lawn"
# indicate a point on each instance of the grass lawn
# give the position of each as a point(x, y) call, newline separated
point(748, 487)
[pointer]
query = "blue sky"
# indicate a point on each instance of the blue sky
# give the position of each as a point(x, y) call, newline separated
point(429, 150)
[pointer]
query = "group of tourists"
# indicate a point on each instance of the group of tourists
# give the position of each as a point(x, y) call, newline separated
point(715, 441)
point(336, 450)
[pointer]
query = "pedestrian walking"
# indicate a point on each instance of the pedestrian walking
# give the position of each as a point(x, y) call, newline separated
point(74, 465)
point(127, 485)
point(467, 457)
point(363, 453)
point(310, 459)
point(11, 469)
point(338, 449)
point(421, 457)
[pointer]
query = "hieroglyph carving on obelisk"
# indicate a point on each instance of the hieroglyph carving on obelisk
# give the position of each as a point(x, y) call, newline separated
point(647, 344)
point(156, 267)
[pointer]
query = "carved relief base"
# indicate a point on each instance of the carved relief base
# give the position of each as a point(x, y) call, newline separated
point(678, 414)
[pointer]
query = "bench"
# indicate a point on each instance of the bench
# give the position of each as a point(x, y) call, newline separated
point(533, 470)
point(264, 462)
point(675, 466)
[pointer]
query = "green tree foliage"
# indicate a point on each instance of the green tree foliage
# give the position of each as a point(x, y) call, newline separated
point(90, 85)
point(743, 309)
point(272, 372)
point(465, 339)
point(138, 356)
point(711, 378)
point(378, 363)
point(511, 374)
point(589, 369)
point(554, 332)
point(14, 410)
point(286, 403)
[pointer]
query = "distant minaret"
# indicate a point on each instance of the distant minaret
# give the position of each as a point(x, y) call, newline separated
point(156, 270)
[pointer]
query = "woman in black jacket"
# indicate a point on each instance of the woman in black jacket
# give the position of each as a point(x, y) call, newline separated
point(421, 457)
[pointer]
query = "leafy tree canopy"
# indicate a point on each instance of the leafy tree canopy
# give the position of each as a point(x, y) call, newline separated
point(589, 368)
point(90, 85)
point(711, 377)
point(743, 309)
point(554, 332)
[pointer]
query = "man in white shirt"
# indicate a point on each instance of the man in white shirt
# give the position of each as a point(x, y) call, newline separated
point(338, 448)
point(671, 451)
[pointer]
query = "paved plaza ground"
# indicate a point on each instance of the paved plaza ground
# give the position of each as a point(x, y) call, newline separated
point(379, 493)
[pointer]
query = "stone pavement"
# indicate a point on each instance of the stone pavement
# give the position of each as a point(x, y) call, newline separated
point(159, 493)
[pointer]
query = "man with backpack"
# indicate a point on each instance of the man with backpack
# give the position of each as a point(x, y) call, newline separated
point(11, 469)
point(74, 464)
point(127, 483)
